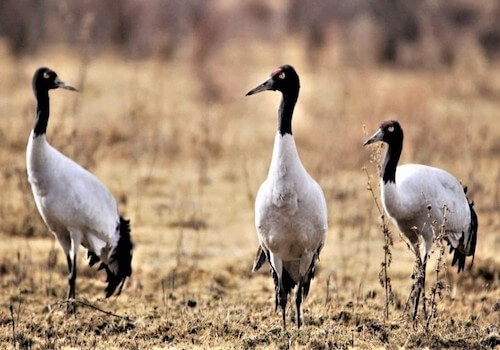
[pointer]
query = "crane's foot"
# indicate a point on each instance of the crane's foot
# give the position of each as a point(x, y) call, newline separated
point(71, 307)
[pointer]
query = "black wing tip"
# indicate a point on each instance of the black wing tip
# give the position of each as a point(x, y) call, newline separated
point(460, 256)
point(288, 283)
point(124, 248)
point(92, 258)
point(474, 225)
point(260, 259)
point(114, 282)
point(311, 274)
point(123, 256)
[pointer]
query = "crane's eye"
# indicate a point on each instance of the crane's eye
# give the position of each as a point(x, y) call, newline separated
point(282, 75)
point(390, 128)
point(46, 75)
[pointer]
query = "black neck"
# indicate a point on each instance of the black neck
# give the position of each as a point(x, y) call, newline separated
point(391, 161)
point(42, 112)
point(285, 112)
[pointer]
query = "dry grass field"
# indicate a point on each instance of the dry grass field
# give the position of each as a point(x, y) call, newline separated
point(185, 169)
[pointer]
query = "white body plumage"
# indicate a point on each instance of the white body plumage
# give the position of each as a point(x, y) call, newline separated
point(290, 211)
point(421, 200)
point(72, 202)
point(418, 199)
point(290, 208)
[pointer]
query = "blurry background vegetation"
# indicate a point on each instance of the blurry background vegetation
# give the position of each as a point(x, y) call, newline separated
point(408, 33)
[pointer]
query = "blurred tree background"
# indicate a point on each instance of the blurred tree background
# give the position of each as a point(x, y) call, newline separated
point(416, 33)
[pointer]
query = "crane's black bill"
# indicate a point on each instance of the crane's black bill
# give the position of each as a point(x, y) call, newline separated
point(375, 137)
point(61, 84)
point(267, 85)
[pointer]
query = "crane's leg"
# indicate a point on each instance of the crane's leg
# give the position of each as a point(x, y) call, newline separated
point(76, 239)
point(71, 276)
point(420, 283)
point(413, 286)
point(298, 304)
point(70, 296)
point(281, 297)
point(283, 302)
point(424, 300)
point(428, 238)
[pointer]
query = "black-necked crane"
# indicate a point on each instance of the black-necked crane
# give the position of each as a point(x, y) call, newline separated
point(416, 196)
point(290, 207)
point(73, 203)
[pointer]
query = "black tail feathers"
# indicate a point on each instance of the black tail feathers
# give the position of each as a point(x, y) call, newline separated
point(310, 275)
point(260, 259)
point(474, 225)
point(122, 255)
point(459, 256)
point(92, 257)
point(281, 297)
point(283, 290)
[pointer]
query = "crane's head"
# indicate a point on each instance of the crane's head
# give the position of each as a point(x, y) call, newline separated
point(46, 79)
point(389, 131)
point(284, 79)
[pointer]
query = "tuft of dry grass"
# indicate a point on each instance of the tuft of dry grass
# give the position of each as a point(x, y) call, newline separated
point(383, 275)
point(185, 171)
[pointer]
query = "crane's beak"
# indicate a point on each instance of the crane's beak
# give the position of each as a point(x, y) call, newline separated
point(63, 85)
point(267, 85)
point(378, 136)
